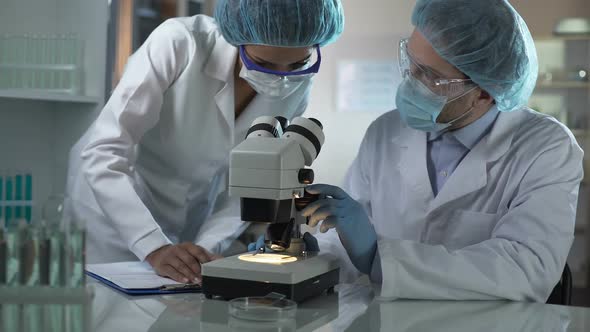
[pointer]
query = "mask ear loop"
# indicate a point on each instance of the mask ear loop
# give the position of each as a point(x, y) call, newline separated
point(463, 94)
point(462, 116)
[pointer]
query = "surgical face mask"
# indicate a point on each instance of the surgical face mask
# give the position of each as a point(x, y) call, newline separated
point(419, 107)
point(273, 86)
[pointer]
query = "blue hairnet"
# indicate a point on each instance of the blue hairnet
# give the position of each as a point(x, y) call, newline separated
point(282, 23)
point(487, 40)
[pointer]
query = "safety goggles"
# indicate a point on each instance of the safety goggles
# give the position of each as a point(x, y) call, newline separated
point(312, 67)
point(448, 87)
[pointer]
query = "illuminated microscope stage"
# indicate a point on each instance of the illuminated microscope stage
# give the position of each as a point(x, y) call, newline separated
point(298, 278)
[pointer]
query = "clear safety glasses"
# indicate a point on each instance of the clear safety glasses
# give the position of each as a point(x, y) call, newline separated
point(311, 66)
point(451, 88)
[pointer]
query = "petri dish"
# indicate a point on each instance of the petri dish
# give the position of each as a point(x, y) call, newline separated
point(243, 325)
point(265, 309)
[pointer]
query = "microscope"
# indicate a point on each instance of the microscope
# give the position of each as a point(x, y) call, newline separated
point(268, 173)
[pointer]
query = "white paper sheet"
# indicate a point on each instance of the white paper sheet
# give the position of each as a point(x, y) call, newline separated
point(367, 85)
point(130, 275)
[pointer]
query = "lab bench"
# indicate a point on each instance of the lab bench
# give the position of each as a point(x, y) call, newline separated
point(353, 307)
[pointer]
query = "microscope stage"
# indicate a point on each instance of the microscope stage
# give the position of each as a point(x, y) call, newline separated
point(238, 276)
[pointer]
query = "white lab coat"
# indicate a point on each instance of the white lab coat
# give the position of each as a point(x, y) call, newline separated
point(459, 316)
point(501, 227)
point(153, 167)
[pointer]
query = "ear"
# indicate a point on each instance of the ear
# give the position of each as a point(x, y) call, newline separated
point(484, 98)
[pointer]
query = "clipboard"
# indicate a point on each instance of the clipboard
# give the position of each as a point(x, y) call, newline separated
point(131, 270)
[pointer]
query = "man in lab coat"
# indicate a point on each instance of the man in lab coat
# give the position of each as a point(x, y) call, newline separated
point(462, 192)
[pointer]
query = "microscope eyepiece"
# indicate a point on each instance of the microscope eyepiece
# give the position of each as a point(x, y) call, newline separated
point(310, 136)
point(317, 122)
point(265, 126)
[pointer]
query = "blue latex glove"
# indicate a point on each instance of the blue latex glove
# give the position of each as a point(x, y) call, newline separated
point(338, 210)
point(311, 243)
point(255, 246)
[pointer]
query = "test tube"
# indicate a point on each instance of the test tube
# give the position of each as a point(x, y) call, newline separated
point(33, 53)
point(28, 195)
point(16, 61)
point(76, 256)
point(8, 199)
point(52, 216)
point(54, 317)
point(44, 253)
point(56, 258)
point(32, 318)
point(11, 314)
point(29, 254)
point(2, 198)
point(18, 196)
point(76, 244)
point(2, 253)
point(51, 59)
point(11, 317)
point(77, 62)
point(55, 240)
point(76, 317)
point(14, 55)
point(3, 61)
point(28, 61)
point(68, 59)
point(11, 55)
point(20, 60)
point(62, 60)
point(30, 275)
point(13, 238)
point(43, 56)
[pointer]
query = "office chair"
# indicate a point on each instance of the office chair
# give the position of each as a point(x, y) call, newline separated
point(562, 293)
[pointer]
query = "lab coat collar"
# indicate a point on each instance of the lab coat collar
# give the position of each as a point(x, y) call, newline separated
point(470, 175)
point(221, 62)
point(497, 142)
point(220, 65)
point(469, 135)
point(412, 162)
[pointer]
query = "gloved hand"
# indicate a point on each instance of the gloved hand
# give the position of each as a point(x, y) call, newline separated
point(338, 210)
point(311, 243)
point(255, 246)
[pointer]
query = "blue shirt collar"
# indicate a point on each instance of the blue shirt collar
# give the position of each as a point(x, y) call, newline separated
point(470, 135)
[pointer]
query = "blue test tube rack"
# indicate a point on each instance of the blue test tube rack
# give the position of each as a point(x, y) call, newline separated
point(16, 197)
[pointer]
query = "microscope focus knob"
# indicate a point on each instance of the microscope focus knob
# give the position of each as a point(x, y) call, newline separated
point(306, 176)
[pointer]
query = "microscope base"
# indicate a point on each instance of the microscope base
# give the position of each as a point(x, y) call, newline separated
point(308, 277)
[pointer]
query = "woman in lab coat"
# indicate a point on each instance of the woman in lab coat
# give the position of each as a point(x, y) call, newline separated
point(462, 193)
point(150, 175)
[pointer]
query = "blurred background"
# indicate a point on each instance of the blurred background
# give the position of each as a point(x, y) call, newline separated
point(60, 59)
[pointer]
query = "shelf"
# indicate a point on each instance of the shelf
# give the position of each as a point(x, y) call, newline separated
point(579, 132)
point(45, 295)
point(70, 67)
point(48, 96)
point(564, 85)
point(563, 37)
